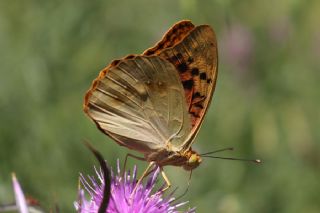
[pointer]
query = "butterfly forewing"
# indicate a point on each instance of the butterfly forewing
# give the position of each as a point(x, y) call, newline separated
point(140, 103)
point(196, 59)
point(174, 35)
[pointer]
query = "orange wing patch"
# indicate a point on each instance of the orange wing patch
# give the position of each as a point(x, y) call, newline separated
point(193, 51)
point(174, 35)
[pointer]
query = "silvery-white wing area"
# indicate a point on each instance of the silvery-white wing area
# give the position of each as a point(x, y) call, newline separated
point(140, 103)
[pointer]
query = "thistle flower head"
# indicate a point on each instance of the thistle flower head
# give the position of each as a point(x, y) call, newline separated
point(145, 199)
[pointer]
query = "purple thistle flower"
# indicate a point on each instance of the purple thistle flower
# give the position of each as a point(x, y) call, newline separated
point(21, 204)
point(20, 198)
point(145, 200)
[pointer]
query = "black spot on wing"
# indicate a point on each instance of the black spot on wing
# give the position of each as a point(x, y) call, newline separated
point(150, 52)
point(194, 114)
point(198, 105)
point(160, 46)
point(176, 58)
point(196, 95)
point(179, 56)
point(130, 56)
point(203, 76)
point(174, 30)
point(187, 84)
point(115, 62)
point(194, 71)
point(183, 67)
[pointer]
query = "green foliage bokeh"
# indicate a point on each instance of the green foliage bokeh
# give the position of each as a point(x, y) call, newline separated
point(266, 104)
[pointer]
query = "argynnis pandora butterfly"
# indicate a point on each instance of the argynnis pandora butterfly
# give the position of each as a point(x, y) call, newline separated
point(155, 103)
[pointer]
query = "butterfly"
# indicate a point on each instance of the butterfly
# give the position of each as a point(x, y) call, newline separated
point(155, 102)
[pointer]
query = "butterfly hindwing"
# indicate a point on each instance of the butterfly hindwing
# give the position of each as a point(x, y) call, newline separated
point(140, 103)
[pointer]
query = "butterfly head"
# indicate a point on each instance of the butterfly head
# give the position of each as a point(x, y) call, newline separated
point(193, 160)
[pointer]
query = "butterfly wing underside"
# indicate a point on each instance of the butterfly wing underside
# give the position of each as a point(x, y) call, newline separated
point(193, 51)
point(140, 103)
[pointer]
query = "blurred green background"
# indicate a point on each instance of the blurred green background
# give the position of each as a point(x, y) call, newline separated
point(266, 104)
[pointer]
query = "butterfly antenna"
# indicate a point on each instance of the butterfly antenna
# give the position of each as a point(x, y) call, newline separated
point(238, 159)
point(219, 150)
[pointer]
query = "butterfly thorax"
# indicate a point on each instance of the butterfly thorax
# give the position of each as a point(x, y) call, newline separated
point(189, 159)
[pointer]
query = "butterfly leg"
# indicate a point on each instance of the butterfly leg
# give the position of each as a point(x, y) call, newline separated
point(166, 179)
point(141, 178)
point(126, 159)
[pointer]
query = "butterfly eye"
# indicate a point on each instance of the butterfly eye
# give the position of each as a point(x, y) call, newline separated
point(193, 158)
